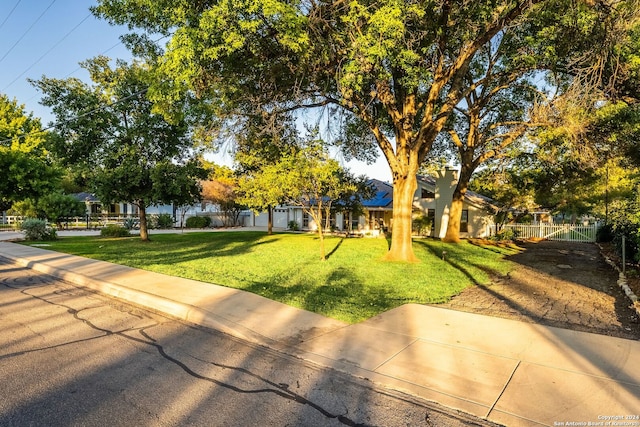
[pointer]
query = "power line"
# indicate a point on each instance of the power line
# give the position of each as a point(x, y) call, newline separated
point(101, 53)
point(113, 47)
point(46, 53)
point(10, 13)
point(80, 68)
point(27, 31)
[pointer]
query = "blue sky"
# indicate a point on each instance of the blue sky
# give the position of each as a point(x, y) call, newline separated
point(51, 38)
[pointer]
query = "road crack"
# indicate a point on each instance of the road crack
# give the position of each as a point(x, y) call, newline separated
point(279, 390)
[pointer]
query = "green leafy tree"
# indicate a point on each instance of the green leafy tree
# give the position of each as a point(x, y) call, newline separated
point(262, 140)
point(20, 131)
point(306, 177)
point(25, 175)
point(591, 159)
point(397, 69)
point(486, 127)
point(538, 74)
point(508, 184)
point(57, 207)
point(27, 172)
point(109, 131)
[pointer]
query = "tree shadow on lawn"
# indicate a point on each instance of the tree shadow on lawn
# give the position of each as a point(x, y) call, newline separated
point(188, 247)
point(344, 296)
point(336, 247)
point(501, 248)
point(449, 256)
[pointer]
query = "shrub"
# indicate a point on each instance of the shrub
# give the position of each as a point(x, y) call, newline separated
point(422, 225)
point(59, 207)
point(113, 230)
point(605, 234)
point(130, 223)
point(164, 220)
point(293, 226)
point(198, 222)
point(631, 244)
point(37, 229)
point(505, 234)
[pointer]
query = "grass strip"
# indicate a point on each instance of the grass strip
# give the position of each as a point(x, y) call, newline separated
point(352, 285)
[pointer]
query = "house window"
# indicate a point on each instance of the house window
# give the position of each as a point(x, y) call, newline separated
point(355, 221)
point(431, 214)
point(332, 222)
point(376, 220)
point(113, 209)
point(426, 194)
point(125, 208)
point(305, 220)
point(464, 221)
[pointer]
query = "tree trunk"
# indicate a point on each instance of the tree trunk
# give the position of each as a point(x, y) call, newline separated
point(404, 188)
point(144, 234)
point(270, 220)
point(457, 202)
point(455, 214)
point(323, 256)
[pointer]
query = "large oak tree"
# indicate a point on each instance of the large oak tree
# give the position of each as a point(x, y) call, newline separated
point(397, 67)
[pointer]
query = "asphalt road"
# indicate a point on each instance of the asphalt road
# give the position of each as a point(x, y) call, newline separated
point(69, 357)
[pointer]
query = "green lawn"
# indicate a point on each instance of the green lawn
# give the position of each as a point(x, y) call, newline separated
point(352, 285)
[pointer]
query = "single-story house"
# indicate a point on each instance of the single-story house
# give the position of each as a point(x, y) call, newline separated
point(122, 210)
point(96, 207)
point(432, 198)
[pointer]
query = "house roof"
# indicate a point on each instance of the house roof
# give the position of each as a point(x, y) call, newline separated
point(86, 197)
point(384, 194)
point(383, 197)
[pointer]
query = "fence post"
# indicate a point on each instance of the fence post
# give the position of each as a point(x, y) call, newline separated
point(624, 254)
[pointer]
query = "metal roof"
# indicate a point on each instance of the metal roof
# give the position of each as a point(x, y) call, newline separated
point(86, 197)
point(383, 197)
point(384, 194)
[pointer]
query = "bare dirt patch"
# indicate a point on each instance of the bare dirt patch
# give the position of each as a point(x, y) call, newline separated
point(562, 284)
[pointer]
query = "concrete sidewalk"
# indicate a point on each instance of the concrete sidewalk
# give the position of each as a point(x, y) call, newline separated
point(512, 373)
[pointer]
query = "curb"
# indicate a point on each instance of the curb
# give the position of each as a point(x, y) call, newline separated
point(622, 282)
point(155, 303)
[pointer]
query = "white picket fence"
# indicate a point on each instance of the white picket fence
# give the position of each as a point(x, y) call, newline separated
point(563, 232)
point(94, 221)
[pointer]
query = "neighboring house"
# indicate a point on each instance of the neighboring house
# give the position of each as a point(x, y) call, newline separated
point(95, 207)
point(377, 214)
point(433, 199)
point(179, 213)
